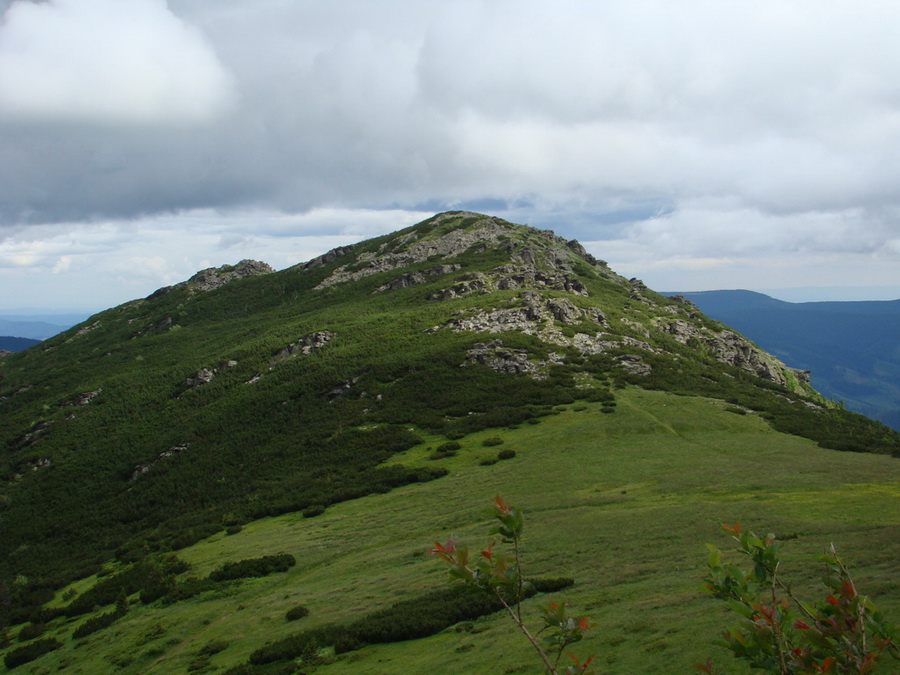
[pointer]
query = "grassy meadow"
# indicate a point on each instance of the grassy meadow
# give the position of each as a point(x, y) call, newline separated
point(623, 503)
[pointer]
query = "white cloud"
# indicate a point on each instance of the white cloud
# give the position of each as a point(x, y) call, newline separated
point(107, 61)
point(104, 264)
point(762, 131)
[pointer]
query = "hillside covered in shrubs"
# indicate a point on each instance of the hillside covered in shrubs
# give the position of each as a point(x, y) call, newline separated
point(246, 393)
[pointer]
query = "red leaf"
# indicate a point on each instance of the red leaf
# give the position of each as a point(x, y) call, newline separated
point(444, 551)
point(831, 600)
point(802, 625)
point(498, 500)
point(826, 664)
point(847, 589)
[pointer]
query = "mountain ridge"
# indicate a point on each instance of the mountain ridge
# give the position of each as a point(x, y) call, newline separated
point(157, 424)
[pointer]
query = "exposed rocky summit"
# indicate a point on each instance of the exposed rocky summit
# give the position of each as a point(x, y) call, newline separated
point(484, 232)
point(214, 277)
point(553, 298)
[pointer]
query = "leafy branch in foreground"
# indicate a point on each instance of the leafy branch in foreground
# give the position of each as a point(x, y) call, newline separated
point(499, 574)
point(843, 633)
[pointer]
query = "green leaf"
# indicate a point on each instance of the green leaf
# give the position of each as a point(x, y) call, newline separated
point(715, 556)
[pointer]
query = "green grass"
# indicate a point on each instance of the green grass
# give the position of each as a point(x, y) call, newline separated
point(622, 503)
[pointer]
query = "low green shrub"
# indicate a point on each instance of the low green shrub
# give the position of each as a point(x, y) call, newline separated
point(254, 567)
point(442, 454)
point(491, 441)
point(506, 454)
point(297, 612)
point(314, 510)
point(31, 631)
point(188, 589)
point(213, 647)
point(29, 652)
point(96, 624)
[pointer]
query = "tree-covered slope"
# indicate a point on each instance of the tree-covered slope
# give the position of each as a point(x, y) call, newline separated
point(245, 393)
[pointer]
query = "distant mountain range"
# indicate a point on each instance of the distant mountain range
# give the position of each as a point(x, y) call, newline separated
point(38, 326)
point(15, 344)
point(852, 348)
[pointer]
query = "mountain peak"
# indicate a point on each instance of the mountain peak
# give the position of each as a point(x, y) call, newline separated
point(447, 236)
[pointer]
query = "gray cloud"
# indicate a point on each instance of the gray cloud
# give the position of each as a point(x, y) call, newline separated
point(729, 130)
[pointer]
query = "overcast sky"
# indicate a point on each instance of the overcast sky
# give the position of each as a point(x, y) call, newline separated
point(696, 144)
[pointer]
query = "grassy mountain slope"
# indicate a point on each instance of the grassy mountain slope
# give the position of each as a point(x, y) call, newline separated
point(246, 398)
point(620, 502)
point(851, 347)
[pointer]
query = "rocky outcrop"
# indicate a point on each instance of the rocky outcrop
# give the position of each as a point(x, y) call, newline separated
point(143, 469)
point(735, 350)
point(87, 329)
point(601, 342)
point(85, 398)
point(165, 324)
point(214, 277)
point(408, 279)
point(638, 289)
point(729, 347)
point(512, 361)
point(35, 433)
point(538, 316)
point(543, 250)
point(305, 345)
point(205, 375)
point(343, 388)
point(533, 315)
point(449, 245)
point(634, 364)
point(511, 277)
point(328, 257)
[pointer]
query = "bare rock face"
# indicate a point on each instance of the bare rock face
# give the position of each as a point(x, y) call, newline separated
point(214, 277)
